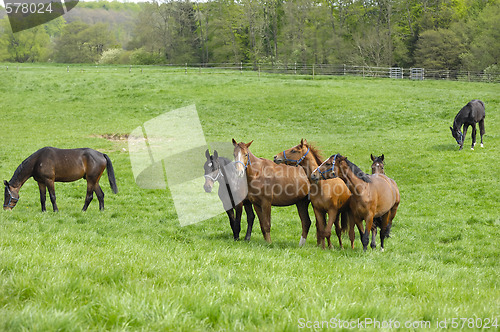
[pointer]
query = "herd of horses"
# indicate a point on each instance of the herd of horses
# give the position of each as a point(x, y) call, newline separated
point(340, 192)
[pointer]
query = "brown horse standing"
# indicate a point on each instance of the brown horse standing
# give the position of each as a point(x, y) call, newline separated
point(378, 168)
point(49, 165)
point(329, 196)
point(373, 196)
point(270, 184)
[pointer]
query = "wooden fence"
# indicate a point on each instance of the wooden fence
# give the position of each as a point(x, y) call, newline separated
point(313, 70)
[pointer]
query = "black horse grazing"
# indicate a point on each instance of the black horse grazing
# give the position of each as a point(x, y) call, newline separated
point(469, 115)
point(232, 191)
point(49, 165)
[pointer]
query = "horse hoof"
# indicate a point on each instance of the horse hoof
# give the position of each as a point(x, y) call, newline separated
point(382, 249)
point(472, 149)
point(302, 241)
point(482, 145)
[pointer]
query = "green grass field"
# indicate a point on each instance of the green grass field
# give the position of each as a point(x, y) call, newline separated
point(132, 267)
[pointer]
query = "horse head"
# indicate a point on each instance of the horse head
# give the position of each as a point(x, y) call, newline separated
point(457, 134)
point(293, 156)
point(212, 170)
point(328, 169)
point(241, 157)
point(11, 196)
point(378, 164)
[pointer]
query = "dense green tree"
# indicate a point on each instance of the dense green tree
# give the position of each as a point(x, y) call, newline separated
point(82, 43)
point(440, 34)
point(483, 33)
point(25, 46)
point(439, 49)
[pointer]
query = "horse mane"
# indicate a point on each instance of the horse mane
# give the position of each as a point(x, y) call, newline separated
point(26, 165)
point(316, 153)
point(358, 172)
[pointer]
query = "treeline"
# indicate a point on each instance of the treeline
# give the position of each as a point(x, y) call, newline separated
point(438, 34)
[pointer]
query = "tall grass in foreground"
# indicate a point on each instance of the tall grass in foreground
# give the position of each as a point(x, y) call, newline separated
point(132, 267)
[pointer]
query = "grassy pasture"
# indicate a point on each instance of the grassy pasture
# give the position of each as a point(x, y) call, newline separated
point(132, 267)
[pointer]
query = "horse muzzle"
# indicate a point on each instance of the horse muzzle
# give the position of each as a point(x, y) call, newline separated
point(314, 176)
point(277, 160)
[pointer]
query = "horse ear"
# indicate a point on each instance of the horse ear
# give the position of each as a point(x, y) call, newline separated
point(234, 142)
point(249, 143)
point(382, 157)
point(303, 142)
point(207, 154)
point(451, 129)
point(371, 156)
point(6, 183)
point(216, 154)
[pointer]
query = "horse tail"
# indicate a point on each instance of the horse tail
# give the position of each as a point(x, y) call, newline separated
point(344, 220)
point(111, 174)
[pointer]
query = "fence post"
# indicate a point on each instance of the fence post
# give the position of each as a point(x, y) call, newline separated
point(313, 70)
point(295, 68)
point(130, 69)
point(186, 69)
point(67, 69)
point(241, 67)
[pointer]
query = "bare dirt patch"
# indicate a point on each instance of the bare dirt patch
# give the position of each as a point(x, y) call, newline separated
point(114, 137)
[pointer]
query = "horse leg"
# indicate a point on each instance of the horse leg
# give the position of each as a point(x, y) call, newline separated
point(250, 219)
point(265, 226)
point(350, 221)
point(383, 229)
point(368, 227)
point(465, 127)
point(473, 136)
point(384, 233)
point(232, 223)
point(373, 244)
point(100, 196)
point(303, 209)
point(89, 196)
point(237, 221)
point(52, 194)
point(43, 195)
point(320, 227)
point(481, 131)
point(266, 213)
point(334, 218)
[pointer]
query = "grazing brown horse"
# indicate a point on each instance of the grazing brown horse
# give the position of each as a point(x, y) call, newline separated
point(329, 196)
point(270, 184)
point(373, 196)
point(49, 165)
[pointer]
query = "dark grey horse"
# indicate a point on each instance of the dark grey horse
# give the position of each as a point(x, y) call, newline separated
point(232, 192)
point(469, 115)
